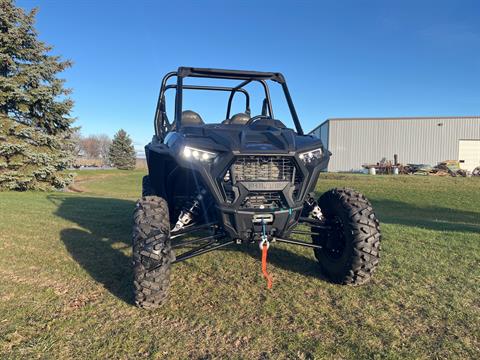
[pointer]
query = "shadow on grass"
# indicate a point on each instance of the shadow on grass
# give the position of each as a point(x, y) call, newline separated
point(99, 247)
point(105, 236)
point(427, 217)
point(285, 259)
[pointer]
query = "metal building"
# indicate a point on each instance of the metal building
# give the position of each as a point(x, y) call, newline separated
point(420, 140)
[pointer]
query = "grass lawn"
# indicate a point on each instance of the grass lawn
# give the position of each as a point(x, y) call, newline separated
point(65, 282)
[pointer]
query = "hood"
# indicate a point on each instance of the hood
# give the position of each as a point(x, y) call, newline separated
point(258, 138)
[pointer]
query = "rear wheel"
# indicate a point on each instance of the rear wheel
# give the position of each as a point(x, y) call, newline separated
point(152, 253)
point(351, 248)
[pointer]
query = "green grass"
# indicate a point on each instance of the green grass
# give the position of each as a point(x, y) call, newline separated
point(65, 282)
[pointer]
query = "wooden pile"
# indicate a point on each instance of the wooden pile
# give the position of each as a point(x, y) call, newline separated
point(449, 167)
point(444, 168)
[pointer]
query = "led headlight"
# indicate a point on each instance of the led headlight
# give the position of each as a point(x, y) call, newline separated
point(197, 154)
point(312, 155)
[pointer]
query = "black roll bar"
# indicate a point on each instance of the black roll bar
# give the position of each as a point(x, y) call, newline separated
point(159, 109)
point(293, 112)
point(247, 76)
point(232, 94)
point(229, 74)
point(232, 91)
point(178, 102)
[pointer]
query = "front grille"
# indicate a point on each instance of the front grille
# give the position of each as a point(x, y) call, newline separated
point(264, 200)
point(257, 169)
point(265, 168)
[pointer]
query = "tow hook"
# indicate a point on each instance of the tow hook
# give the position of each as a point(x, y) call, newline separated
point(264, 238)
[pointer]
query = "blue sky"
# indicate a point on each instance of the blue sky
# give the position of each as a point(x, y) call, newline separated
point(341, 58)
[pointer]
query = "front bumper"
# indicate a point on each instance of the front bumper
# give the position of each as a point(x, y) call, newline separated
point(242, 224)
point(254, 185)
point(237, 212)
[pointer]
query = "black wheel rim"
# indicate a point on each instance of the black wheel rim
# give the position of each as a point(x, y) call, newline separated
point(335, 243)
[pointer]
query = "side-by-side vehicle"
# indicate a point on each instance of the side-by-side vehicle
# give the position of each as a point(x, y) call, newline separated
point(247, 178)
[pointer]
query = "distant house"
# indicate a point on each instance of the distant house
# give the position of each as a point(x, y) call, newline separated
point(419, 140)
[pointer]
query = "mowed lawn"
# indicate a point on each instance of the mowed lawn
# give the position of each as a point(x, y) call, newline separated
point(65, 282)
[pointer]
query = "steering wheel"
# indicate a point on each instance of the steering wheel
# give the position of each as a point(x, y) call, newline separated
point(255, 118)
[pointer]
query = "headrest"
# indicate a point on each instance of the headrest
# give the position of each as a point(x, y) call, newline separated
point(190, 117)
point(239, 119)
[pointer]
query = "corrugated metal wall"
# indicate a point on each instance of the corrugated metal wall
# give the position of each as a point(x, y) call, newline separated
point(354, 142)
point(323, 133)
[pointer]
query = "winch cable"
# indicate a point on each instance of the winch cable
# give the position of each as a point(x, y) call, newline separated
point(264, 245)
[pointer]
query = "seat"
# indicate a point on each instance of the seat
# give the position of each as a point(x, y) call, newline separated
point(191, 118)
point(239, 119)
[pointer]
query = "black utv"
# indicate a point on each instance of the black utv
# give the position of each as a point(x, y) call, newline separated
point(247, 178)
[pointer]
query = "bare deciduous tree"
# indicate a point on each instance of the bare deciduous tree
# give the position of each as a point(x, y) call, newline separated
point(91, 147)
point(95, 146)
point(105, 142)
point(76, 139)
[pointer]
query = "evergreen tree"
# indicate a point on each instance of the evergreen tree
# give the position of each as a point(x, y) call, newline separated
point(122, 152)
point(35, 125)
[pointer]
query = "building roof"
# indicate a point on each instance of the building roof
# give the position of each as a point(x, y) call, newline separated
point(396, 118)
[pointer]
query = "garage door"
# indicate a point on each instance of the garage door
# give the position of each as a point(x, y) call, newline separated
point(469, 154)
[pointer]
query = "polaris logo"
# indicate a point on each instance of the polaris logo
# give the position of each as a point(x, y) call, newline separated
point(265, 185)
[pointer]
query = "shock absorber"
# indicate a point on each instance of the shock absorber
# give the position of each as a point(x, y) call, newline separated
point(313, 207)
point(188, 213)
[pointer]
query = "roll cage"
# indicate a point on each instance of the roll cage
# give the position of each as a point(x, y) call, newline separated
point(161, 123)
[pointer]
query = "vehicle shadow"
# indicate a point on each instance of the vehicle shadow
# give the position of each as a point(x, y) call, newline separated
point(101, 243)
point(283, 258)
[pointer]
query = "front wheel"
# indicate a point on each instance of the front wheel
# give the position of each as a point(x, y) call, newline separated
point(351, 247)
point(152, 252)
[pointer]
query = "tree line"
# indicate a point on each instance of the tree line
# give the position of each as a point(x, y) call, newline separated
point(118, 153)
point(38, 141)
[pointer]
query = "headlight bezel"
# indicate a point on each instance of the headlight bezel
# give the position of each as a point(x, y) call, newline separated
point(310, 156)
point(193, 153)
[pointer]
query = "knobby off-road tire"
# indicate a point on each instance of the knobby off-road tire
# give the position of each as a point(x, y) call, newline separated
point(352, 248)
point(152, 253)
point(147, 189)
